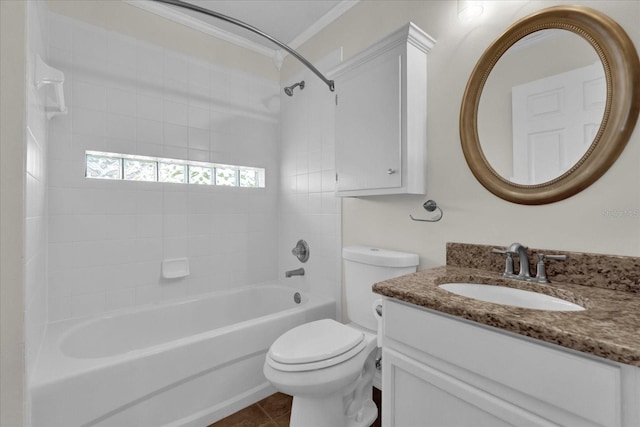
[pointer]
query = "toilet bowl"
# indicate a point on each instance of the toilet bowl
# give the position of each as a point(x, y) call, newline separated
point(328, 367)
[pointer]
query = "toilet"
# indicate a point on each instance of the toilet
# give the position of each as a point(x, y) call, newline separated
point(329, 367)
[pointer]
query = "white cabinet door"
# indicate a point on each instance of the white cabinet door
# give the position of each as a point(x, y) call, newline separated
point(381, 117)
point(417, 395)
point(368, 120)
point(496, 371)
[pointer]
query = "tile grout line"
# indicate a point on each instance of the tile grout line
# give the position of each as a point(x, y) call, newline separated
point(267, 413)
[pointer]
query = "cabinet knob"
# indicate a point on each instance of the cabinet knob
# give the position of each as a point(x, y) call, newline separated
point(391, 171)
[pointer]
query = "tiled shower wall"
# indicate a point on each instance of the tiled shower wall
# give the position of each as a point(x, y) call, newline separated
point(107, 239)
point(309, 208)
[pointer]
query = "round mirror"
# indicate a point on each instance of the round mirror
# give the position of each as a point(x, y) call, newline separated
point(550, 105)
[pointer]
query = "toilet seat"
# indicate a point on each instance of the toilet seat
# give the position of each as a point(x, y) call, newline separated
point(315, 345)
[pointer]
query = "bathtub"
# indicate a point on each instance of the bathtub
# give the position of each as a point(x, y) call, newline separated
point(188, 363)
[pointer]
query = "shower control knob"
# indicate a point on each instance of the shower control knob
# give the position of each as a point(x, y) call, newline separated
point(301, 251)
point(391, 171)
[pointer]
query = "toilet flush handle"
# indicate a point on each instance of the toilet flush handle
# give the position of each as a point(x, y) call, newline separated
point(379, 310)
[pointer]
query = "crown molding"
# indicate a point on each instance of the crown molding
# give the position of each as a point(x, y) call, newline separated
point(333, 14)
point(277, 55)
point(409, 34)
point(337, 11)
point(182, 18)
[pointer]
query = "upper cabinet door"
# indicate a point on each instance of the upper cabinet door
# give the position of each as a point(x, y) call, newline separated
point(380, 117)
point(368, 126)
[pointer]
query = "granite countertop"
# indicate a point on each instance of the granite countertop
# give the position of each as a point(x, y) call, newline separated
point(608, 328)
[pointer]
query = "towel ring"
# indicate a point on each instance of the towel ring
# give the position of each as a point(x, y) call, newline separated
point(429, 206)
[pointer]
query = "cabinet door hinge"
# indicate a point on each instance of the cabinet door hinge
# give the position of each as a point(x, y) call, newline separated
point(336, 176)
point(336, 99)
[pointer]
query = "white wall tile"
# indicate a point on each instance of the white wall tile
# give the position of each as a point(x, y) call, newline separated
point(199, 139)
point(149, 202)
point(87, 95)
point(149, 107)
point(122, 102)
point(175, 247)
point(120, 126)
point(149, 226)
point(121, 299)
point(60, 32)
point(173, 152)
point(176, 135)
point(132, 97)
point(174, 226)
point(121, 51)
point(87, 304)
point(176, 113)
point(89, 42)
point(90, 122)
point(176, 67)
point(199, 117)
point(198, 73)
point(149, 131)
point(149, 250)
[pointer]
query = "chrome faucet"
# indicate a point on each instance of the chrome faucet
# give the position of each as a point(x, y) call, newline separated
point(523, 258)
point(296, 272)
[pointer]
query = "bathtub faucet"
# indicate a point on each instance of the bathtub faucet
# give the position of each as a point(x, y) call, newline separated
point(296, 272)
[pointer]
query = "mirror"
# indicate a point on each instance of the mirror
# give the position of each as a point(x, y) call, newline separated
point(538, 115)
point(550, 105)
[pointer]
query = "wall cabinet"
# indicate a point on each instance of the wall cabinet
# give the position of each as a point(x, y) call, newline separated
point(440, 370)
point(381, 117)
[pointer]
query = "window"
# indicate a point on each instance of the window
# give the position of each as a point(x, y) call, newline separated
point(116, 166)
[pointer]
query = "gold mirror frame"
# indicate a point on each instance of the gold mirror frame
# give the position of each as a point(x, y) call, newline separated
point(622, 71)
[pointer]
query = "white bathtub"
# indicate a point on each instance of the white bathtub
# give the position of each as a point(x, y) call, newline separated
point(182, 364)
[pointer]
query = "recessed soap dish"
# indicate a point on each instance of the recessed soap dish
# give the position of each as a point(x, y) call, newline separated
point(175, 268)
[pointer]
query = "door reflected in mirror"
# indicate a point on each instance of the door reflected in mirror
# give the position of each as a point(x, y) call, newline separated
point(542, 106)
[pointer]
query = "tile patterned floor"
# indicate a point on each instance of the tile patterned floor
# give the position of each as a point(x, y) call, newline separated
point(274, 411)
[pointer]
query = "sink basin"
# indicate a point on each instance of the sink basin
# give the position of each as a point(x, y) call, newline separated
point(510, 296)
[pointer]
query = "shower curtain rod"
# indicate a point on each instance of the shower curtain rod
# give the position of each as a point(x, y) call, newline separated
point(253, 29)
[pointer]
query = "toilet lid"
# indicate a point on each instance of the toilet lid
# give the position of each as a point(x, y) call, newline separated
point(315, 341)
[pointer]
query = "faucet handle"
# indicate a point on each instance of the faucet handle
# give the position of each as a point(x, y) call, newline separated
point(541, 273)
point(508, 264)
point(301, 251)
point(556, 257)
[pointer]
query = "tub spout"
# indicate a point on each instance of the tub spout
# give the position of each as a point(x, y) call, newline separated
point(296, 272)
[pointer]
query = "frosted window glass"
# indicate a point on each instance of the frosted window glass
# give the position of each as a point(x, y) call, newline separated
point(227, 176)
point(103, 167)
point(172, 172)
point(155, 169)
point(200, 175)
point(138, 170)
point(248, 178)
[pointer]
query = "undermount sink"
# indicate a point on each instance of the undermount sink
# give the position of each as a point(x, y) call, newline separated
point(510, 296)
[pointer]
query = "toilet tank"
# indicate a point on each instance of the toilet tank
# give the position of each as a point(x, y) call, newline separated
point(364, 266)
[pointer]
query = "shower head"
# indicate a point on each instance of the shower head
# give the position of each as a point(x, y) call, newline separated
point(289, 89)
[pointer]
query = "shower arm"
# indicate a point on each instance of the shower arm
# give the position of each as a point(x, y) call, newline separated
point(253, 29)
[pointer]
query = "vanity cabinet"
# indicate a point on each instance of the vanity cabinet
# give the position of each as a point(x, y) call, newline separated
point(381, 117)
point(439, 370)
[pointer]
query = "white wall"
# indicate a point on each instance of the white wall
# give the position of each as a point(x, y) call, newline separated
point(604, 218)
point(308, 208)
point(107, 239)
point(13, 19)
